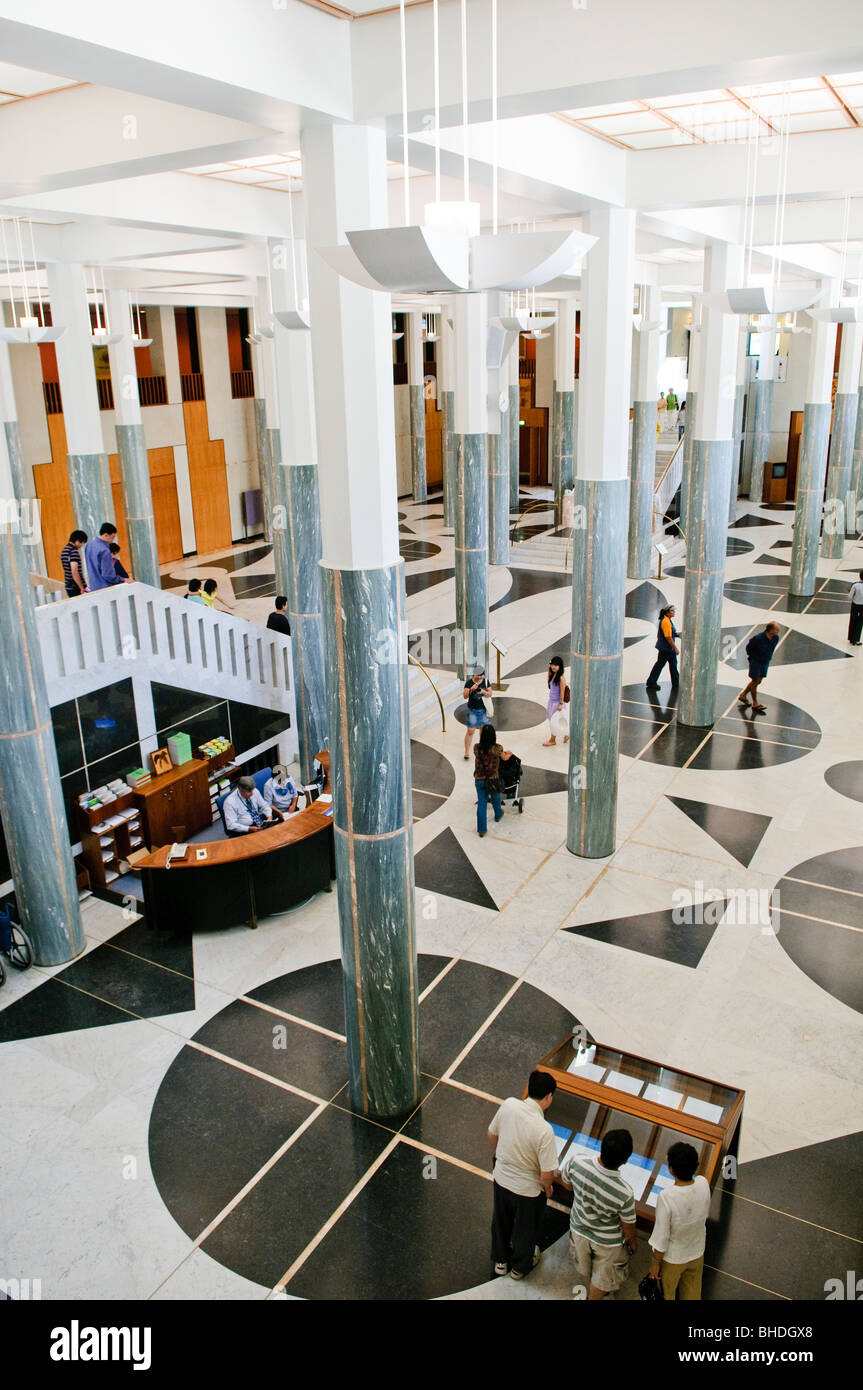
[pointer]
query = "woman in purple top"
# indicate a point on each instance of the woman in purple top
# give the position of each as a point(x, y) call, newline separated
point(557, 694)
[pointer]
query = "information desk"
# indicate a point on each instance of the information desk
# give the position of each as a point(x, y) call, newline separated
point(246, 877)
point(599, 1089)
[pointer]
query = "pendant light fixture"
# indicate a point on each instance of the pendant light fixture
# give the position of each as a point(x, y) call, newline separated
point(28, 326)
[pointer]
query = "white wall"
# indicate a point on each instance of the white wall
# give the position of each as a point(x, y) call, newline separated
point(790, 394)
point(30, 401)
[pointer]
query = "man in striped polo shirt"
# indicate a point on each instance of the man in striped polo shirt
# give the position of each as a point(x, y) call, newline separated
point(74, 577)
point(602, 1221)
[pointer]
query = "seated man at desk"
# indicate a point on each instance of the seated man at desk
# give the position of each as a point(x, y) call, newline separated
point(246, 810)
point(280, 791)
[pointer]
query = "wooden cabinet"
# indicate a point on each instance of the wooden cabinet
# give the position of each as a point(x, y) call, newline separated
point(175, 805)
point(103, 844)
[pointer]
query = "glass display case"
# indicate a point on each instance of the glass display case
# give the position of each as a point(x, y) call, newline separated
point(600, 1088)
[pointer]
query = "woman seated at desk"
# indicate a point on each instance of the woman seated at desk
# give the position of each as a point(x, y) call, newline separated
point(280, 791)
point(246, 810)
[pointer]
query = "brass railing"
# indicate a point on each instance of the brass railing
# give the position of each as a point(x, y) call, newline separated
point(543, 505)
point(414, 661)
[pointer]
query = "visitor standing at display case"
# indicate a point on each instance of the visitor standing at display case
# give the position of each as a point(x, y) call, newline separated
point(602, 1231)
point(679, 1233)
point(525, 1159)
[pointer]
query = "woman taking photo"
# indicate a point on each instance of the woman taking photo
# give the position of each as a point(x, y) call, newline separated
point(486, 775)
point(476, 691)
point(558, 697)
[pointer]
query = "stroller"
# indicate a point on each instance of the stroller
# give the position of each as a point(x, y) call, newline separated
point(510, 777)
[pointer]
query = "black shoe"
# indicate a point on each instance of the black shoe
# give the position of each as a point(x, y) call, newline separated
point(652, 685)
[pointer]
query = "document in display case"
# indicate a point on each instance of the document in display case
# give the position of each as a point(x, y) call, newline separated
point(600, 1088)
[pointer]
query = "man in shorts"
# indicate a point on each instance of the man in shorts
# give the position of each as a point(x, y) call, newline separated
point(759, 650)
point(602, 1221)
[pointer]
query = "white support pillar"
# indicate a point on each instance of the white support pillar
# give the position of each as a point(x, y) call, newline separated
point(600, 515)
point(89, 475)
point(812, 460)
point(643, 467)
point(20, 484)
point(470, 427)
point(840, 505)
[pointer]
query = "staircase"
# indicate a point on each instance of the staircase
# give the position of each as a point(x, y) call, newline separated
point(424, 708)
point(133, 631)
point(548, 552)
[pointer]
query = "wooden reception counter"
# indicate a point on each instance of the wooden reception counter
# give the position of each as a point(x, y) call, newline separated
point(244, 878)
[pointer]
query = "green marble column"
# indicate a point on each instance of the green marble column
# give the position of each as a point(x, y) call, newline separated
point(811, 472)
point(297, 554)
point(839, 471)
point(92, 499)
point(857, 468)
point(737, 440)
point(471, 551)
point(265, 464)
point(373, 823)
point(761, 437)
point(563, 416)
point(140, 524)
point(688, 441)
point(418, 442)
point(705, 573)
point(448, 459)
point(641, 484)
point(514, 438)
point(498, 496)
point(31, 794)
point(596, 663)
point(31, 531)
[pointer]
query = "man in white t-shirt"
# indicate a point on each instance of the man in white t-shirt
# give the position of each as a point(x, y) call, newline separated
point(525, 1157)
point(679, 1233)
point(855, 622)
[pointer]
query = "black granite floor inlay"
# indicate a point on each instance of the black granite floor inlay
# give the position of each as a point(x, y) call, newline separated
point(750, 519)
point(820, 1183)
point(781, 545)
point(645, 602)
point(540, 781)
point(818, 912)
point(738, 832)
point(794, 648)
point(735, 545)
point(416, 583)
point(430, 770)
point(847, 779)
point(417, 550)
point(771, 560)
point(657, 934)
point(510, 714)
point(253, 585)
point(738, 740)
point(769, 592)
point(443, 867)
point(527, 583)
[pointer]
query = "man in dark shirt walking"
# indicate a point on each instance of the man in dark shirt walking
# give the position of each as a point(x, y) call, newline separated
point(277, 620)
point(760, 651)
point(74, 577)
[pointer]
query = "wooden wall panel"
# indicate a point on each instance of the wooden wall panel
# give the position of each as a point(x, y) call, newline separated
point(166, 508)
point(119, 517)
point(51, 481)
point(208, 480)
point(434, 444)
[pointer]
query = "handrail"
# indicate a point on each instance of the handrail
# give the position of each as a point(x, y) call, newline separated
point(543, 505)
point(680, 443)
point(412, 658)
point(42, 581)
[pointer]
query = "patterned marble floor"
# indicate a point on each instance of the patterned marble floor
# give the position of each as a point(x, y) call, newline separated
point(159, 1147)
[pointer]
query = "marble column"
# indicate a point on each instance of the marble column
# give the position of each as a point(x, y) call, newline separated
point(709, 486)
point(265, 463)
point(748, 427)
point(763, 412)
point(132, 446)
point(737, 426)
point(470, 421)
point(417, 406)
point(599, 554)
point(690, 421)
point(514, 431)
point(498, 496)
point(365, 630)
point(857, 469)
point(839, 501)
point(812, 459)
point(89, 475)
point(31, 794)
point(445, 394)
point(296, 510)
point(20, 485)
point(642, 478)
point(563, 404)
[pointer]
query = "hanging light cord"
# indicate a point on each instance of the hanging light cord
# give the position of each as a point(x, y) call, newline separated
point(464, 97)
point(436, 102)
point(494, 152)
point(407, 191)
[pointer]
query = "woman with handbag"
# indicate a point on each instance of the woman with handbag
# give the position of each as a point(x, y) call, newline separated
point(486, 775)
point(558, 698)
point(476, 691)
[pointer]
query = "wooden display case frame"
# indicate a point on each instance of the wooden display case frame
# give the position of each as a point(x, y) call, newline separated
point(722, 1138)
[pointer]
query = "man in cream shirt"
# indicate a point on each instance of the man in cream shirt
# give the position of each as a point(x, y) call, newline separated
point(525, 1157)
point(679, 1232)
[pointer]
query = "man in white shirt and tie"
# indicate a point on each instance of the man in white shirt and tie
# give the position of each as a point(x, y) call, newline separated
point(245, 810)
